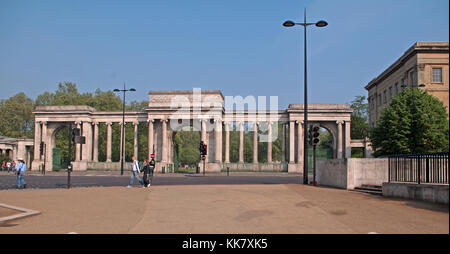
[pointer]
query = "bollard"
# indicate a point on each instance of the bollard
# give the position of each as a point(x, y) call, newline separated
point(228, 171)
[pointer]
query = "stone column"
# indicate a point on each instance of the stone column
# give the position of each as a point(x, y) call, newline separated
point(86, 151)
point(37, 140)
point(227, 142)
point(300, 148)
point(283, 142)
point(46, 145)
point(108, 141)
point(150, 138)
point(95, 153)
point(291, 142)
point(241, 142)
point(77, 146)
point(269, 142)
point(255, 142)
point(218, 141)
point(135, 143)
point(348, 149)
point(339, 139)
point(164, 140)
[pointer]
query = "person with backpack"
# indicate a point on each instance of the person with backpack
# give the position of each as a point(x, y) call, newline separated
point(135, 172)
point(21, 169)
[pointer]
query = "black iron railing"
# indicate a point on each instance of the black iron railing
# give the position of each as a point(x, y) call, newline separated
point(419, 168)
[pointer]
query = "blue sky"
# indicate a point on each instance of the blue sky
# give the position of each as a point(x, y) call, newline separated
point(236, 46)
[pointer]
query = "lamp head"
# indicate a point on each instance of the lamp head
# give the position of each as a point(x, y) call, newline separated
point(289, 23)
point(132, 90)
point(116, 90)
point(321, 23)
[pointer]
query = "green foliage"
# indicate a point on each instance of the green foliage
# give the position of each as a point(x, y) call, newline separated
point(406, 127)
point(137, 106)
point(188, 141)
point(67, 94)
point(16, 118)
point(359, 124)
point(326, 139)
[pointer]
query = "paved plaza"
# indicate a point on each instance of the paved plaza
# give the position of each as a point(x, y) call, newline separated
point(220, 208)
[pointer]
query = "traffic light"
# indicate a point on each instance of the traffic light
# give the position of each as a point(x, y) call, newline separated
point(75, 132)
point(315, 135)
point(310, 135)
point(203, 148)
point(41, 148)
point(200, 147)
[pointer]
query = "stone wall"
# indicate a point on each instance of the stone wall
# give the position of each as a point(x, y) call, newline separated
point(426, 192)
point(352, 172)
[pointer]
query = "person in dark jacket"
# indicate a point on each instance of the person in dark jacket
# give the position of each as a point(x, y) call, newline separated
point(146, 171)
point(152, 169)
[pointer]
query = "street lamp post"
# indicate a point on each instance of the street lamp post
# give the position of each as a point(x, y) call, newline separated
point(124, 90)
point(320, 23)
point(413, 112)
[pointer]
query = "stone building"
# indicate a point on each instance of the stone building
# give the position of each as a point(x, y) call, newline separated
point(16, 148)
point(423, 63)
point(204, 111)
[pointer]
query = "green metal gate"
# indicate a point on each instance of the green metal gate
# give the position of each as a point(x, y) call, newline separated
point(56, 158)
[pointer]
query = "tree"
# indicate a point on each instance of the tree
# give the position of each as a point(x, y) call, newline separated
point(406, 127)
point(67, 94)
point(16, 117)
point(359, 127)
point(188, 143)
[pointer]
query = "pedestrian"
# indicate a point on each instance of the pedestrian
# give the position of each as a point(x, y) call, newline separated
point(21, 169)
point(3, 166)
point(135, 172)
point(8, 165)
point(146, 172)
point(13, 166)
point(43, 168)
point(152, 169)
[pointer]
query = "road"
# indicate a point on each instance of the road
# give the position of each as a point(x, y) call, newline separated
point(111, 179)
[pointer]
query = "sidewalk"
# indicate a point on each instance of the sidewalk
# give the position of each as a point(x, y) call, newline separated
point(221, 209)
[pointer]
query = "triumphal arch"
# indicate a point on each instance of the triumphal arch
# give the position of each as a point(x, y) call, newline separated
point(208, 112)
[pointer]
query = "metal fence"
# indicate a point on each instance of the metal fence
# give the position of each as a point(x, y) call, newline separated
point(419, 168)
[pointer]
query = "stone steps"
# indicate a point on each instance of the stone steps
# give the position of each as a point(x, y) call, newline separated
point(370, 189)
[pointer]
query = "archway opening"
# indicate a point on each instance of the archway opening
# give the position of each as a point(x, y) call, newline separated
point(60, 152)
point(186, 149)
point(324, 150)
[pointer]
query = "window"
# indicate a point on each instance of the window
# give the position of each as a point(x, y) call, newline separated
point(384, 96)
point(379, 99)
point(437, 75)
point(403, 84)
point(390, 92)
point(412, 78)
point(396, 88)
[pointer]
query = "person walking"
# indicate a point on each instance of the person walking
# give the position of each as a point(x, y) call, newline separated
point(135, 172)
point(21, 169)
point(3, 166)
point(8, 165)
point(151, 170)
point(146, 171)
